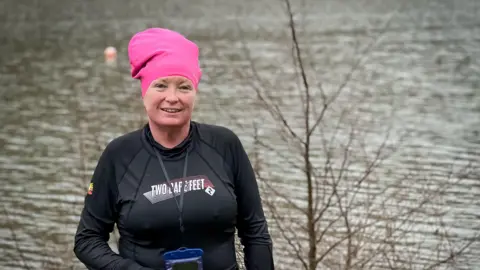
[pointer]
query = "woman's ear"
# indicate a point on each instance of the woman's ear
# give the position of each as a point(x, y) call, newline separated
point(195, 100)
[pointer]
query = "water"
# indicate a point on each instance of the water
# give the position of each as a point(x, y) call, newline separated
point(417, 90)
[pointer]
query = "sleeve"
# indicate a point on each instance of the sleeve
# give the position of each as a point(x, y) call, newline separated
point(251, 223)
point(97, 220)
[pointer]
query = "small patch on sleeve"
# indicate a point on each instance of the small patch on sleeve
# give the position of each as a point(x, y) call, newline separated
point(90, 189)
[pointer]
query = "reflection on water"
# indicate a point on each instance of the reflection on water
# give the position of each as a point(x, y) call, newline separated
point(61, 104)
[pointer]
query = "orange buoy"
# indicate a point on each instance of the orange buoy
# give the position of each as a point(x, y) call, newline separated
point(110, 54)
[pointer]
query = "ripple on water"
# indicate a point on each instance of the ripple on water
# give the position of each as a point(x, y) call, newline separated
point(56, 123)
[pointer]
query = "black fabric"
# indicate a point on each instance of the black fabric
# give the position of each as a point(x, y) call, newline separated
point(129, 190)
point(171, 153)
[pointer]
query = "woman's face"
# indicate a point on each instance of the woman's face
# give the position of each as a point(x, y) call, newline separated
point(169, 101)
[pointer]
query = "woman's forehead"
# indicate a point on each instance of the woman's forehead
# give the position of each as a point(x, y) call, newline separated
point(173, 79)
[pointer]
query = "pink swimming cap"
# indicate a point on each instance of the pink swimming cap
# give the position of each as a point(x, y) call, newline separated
point(158, 52)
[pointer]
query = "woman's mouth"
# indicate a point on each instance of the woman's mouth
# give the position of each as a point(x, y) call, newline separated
point(169, 110)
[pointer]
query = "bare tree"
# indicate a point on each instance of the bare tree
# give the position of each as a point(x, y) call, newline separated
point(334, 197)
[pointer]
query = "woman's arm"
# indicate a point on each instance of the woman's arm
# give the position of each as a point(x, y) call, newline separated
point(251, 224)
point(97, 220)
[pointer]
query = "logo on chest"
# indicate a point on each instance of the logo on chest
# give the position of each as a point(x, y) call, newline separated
point(166, 191)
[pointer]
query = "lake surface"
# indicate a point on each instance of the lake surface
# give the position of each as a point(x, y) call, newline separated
point(417, 89)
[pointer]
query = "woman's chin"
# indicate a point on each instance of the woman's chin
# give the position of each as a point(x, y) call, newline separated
point(171, 122)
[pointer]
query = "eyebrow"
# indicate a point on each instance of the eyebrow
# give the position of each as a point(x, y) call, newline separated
point(181, 81)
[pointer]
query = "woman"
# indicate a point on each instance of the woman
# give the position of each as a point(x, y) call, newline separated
point(175, 182)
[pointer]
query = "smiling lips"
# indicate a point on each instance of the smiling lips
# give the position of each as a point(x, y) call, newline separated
point(171, 110)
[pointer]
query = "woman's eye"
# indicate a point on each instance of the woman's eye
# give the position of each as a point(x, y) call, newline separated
point(186, 87)
point(160, 85)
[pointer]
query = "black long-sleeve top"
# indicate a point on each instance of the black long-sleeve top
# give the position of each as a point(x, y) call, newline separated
point(129, 189)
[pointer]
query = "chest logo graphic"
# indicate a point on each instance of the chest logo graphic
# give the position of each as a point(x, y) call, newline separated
point(163, 191)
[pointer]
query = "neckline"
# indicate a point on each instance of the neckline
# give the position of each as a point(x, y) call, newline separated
point(174, 153)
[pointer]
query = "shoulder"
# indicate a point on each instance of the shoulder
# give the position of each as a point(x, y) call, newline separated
point(125, 145)
point(216, 135)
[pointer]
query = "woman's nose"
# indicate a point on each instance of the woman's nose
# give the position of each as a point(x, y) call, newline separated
point(171, 94)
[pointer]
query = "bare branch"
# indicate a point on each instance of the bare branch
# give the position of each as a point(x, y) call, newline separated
point(363, 57)
point(359, 209)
